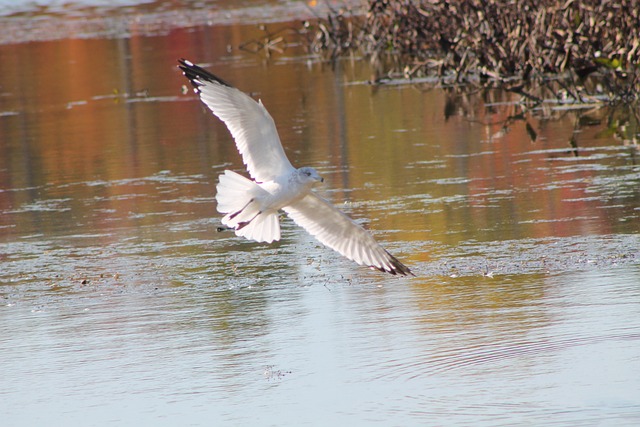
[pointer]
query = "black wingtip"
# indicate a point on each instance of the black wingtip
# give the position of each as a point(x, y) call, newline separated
point(395, 267)
point(400, 268)
point(198, 75)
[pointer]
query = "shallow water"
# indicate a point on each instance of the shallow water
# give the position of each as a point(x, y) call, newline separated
point(123, 304)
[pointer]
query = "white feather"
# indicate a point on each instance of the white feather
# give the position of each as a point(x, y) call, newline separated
point(337, 231)
point(250, 124)
point(237, 197)
point(251, 207)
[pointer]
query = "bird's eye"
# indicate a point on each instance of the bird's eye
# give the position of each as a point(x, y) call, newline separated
point(307, 173)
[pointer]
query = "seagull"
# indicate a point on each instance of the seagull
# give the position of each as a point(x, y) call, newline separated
point(251, 206)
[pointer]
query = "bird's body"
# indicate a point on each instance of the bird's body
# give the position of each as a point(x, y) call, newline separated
point(251, 207)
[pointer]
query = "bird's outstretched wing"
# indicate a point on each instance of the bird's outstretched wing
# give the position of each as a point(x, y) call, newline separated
point(250, 124)
point(337, 231)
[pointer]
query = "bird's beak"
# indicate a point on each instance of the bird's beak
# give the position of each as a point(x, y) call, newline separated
point(321, 179)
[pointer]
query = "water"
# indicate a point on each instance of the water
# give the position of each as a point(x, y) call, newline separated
point(123, 304)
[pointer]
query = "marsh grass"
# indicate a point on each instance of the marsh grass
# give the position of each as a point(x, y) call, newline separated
point(577, 51)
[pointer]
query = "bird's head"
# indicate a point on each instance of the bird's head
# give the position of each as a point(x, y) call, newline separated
point(309, 176)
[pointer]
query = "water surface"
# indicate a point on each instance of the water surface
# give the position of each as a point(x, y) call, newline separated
point(123, 304)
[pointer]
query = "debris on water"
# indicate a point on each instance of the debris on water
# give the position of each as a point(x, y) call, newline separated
point(548, 256)
point(487, 272)
point(272, 374)
point(269, 43)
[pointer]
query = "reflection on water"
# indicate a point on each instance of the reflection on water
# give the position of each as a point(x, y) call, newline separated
point(43, 20)
point(514, 349)
point(122, 302)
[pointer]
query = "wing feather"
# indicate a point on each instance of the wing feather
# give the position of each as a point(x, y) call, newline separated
point(250, 124)
point(337, 231)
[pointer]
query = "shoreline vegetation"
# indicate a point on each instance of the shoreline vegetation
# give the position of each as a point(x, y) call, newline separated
point(573, 57)
point(585, 51)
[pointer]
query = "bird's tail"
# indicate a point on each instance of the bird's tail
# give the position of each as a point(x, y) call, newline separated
point(237, 199)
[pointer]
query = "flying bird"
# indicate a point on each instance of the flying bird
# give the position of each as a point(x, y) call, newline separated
point(251, 206)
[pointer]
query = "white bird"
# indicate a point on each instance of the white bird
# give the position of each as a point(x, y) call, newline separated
point(251, 206)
